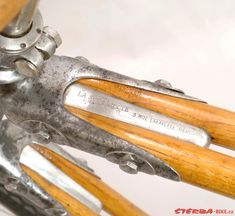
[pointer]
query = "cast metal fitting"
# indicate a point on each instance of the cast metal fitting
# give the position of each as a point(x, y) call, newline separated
point(30, 50)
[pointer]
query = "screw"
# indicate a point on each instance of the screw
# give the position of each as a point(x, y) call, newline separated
point(42, 137)
point(26, 68)
point(163, 83)
point(12, 184)
point(53, 34)
point(82, 58)
point(56, 211)
point(81, 160)
point(126, 161)
point(129, 166)
point(10, 187)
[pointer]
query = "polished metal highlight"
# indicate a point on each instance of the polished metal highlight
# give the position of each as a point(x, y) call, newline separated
point(40, 101)
point(12, 142)
point(8, 75)
point(51, 173)
point(22, 23)
point(33, 94)
point(88, 99)
point(77, 161)
point(27, 52)
point(15, 45)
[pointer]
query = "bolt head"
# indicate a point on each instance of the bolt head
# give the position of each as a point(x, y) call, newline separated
point(82, 58)
point(57, 211)
point(53, 34)
point(42, 137)
point(129, 166)
point(26, 68)
point(163, 83)
point(12, 184)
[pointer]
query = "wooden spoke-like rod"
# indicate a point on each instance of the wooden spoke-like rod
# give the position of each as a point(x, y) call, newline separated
point(113, 202)
point(73, 206)
point(8, 10)
point(196, 165)
point(219, 123)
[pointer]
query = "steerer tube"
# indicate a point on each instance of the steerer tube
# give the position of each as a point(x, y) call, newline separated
point(21, 23)
point(8, 10)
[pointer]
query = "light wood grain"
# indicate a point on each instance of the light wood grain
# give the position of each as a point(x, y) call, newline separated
point(73, 206)
point(113, 202)
point(219, 123)
point(197, 166)
point(8, 10)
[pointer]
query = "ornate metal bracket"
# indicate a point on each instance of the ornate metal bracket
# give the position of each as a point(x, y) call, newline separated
point(37, 104)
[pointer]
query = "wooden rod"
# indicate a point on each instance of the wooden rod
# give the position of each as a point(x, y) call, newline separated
point(73, 206)
point(197, 166)
point(219, 123)
point(8, 10)
point(113, 202)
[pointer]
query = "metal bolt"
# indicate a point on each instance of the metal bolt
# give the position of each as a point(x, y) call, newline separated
point(130, 162)
point(26, 68)
point(53, 34)
point(129, 166)
point(10, 187)
point(56, 211)
point(12, 184)
point(125, 160)
point(82, 160)
point(42, 137)
point(82, 58)
point(163, 83)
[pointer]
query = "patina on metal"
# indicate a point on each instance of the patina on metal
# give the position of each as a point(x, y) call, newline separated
point(15, 148)
point(55, 176)
point(12, 142)
point(93, 101)
point(40, 100)
point(34, 87)
point(21, 24)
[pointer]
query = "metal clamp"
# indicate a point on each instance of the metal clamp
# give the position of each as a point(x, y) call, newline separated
point(12, 142)
point(35, 86)
point(93, 101)
point(40, 101)
point(15, 148)
point(14, 45)
point(26, 54)
point(37, 104)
